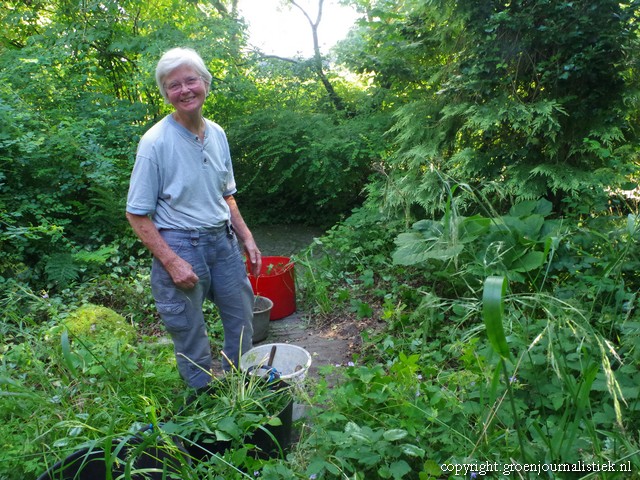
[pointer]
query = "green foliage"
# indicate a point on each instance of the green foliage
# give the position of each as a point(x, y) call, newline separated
point(514, 136)
point(56, 401)
point(570, 333)
point(226, 417)
point(515, 245)
point(351, 255)
point(78, 92)
point(400, 48)
point(304, 167)
point(48, 409)
point(597, 275)
point(529, 100)
point(374, 424)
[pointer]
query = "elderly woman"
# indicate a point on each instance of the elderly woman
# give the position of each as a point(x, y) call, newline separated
point(181, 206)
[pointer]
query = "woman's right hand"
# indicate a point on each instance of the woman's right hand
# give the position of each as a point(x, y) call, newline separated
point(179, 269)
point(182, 273)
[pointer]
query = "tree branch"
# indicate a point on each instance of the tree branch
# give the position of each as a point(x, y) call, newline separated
point(220, 7)
point(317, 58)
point(304, 12)
point(276, 57)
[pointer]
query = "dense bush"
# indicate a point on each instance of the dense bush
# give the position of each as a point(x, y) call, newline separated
point(305, 167)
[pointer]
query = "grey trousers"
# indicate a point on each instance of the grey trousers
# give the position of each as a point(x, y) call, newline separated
point(216, 258)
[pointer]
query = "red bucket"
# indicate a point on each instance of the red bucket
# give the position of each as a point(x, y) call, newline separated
point(276, 281)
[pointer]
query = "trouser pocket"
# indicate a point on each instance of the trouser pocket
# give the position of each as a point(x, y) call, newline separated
point(173, 315)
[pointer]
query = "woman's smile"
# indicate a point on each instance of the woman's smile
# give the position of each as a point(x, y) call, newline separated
point(185, 90)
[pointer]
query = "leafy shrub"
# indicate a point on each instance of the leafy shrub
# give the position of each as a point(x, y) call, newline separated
point(347, 257)
point(516, 245)
point(571, 323)
point(304, 167)
point(378, 422)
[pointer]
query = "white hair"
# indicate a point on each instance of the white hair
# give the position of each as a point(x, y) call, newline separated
point(178, 57)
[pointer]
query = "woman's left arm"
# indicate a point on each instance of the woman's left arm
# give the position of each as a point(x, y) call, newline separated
point(245, 235)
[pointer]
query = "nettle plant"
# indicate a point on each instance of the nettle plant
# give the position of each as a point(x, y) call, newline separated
point(372, 424)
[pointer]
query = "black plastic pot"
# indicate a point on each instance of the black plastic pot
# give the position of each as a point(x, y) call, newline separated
point(274, 441)
point(270, 440)
point(90, 464)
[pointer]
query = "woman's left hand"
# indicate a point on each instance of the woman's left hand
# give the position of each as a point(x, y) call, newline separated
point(244, 234)
point(254, 256)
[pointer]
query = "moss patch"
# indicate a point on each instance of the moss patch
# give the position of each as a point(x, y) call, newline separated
point(100, 326)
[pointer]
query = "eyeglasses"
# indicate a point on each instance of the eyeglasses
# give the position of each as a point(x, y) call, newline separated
point(175, 87)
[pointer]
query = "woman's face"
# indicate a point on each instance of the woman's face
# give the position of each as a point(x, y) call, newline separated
point(185, 89)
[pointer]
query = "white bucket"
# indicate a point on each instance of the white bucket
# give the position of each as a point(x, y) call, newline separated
point(290, 361)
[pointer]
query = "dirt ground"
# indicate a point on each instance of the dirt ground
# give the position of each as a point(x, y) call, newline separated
point(330, 344)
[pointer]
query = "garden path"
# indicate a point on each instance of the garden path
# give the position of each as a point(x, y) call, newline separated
point(329, 343)
point(333, 344)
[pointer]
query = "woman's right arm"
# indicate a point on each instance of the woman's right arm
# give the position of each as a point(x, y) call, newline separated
point(180, 270)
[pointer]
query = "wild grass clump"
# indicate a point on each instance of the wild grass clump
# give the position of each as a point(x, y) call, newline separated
point(61, 390)
point(74, 384)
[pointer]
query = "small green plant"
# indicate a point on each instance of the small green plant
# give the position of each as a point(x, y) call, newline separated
point(277, 268)
point(239, 412)
point(372, 424)
point(495, 289)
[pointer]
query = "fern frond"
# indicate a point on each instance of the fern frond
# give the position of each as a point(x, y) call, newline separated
point(99, 256)
point(62, 269)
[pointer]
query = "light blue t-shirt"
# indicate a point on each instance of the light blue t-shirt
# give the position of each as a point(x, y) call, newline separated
point(180, 181)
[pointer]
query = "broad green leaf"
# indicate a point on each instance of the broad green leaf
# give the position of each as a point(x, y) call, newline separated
point(412, 450)
point(356, 432)
point(433, 468)
point(530, 261)
point(532, 226)
point(274, 421)
point(399, 469)
point(351, 427)
point(395, 434)
point(523, 209)
point(66, 352)
point(495, 289)
point(228, 425)
point(222, 436)
point(472, 227)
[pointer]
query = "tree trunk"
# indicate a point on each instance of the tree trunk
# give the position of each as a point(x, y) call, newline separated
point(317, 57)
